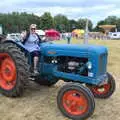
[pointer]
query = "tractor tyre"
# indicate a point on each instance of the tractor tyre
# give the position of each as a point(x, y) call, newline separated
point(104, 91)
point(76, 101)
point(14, 70)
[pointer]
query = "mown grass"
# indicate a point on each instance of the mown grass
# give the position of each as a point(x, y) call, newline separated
point(113, 52)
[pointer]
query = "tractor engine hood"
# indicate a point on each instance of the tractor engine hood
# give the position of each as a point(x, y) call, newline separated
point(51, 49)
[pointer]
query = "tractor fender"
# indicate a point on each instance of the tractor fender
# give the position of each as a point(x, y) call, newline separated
point(18, 44)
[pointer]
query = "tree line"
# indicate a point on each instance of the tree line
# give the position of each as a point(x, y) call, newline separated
point(16, 22)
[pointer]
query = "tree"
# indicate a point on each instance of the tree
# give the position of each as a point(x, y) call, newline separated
point(72, 24)
point(97, 29)
point(46, 21)
point(110, 20)
point(61, 23)
point(16, 22)
point(118, 24)
point(81, 24)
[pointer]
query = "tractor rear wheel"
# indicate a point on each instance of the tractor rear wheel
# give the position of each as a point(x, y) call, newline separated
point(76, 101)
point(13, 70)
point(104, 91)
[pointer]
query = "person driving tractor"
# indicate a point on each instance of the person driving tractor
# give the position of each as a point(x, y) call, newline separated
point(31, 42)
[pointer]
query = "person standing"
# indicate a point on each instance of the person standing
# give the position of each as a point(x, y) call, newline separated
point(68, 36)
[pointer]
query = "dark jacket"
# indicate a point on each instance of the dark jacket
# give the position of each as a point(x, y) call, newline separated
point(27, 36)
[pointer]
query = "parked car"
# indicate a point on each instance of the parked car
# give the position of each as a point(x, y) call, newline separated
point(114, 35)
point(13, 36)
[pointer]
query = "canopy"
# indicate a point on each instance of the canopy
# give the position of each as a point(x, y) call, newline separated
point(78, 31)
point(107, 28)
point(52, 34)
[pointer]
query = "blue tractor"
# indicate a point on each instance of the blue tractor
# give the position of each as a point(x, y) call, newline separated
point(83, 66)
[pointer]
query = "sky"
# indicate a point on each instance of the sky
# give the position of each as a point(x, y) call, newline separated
point(94, 10)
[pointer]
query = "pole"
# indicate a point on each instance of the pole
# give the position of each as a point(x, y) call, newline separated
point(86, 33)
point(1, 30)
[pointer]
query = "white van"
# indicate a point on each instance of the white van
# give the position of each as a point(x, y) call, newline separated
point(114, 35)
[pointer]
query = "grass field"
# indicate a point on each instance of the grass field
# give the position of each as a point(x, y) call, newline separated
point(39, 102)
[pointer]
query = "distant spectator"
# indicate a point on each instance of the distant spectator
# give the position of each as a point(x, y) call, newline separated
point(68, 36)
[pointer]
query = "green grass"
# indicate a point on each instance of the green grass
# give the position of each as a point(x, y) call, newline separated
point(113, 52)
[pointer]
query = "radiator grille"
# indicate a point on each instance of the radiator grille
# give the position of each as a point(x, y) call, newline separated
point(102, 63)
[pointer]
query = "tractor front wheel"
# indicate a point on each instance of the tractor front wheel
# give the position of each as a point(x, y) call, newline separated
point(76, 101)
point(104, 91)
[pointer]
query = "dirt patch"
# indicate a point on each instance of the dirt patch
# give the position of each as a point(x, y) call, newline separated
point(39, 103)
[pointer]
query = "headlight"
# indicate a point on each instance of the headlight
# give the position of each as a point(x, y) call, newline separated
point(89, 65)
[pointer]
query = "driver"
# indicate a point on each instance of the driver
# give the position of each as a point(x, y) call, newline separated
point(31, 43)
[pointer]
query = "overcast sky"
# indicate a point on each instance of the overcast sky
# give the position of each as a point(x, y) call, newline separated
point(95, 10)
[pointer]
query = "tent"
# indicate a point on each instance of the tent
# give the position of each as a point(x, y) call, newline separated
point(78, 32)
point(52, 34)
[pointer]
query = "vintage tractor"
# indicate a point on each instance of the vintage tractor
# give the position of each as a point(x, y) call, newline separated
point(83, 66)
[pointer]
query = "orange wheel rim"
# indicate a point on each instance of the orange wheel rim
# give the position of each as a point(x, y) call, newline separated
point(75, 103)
point(102, 89)
point(7, 72)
